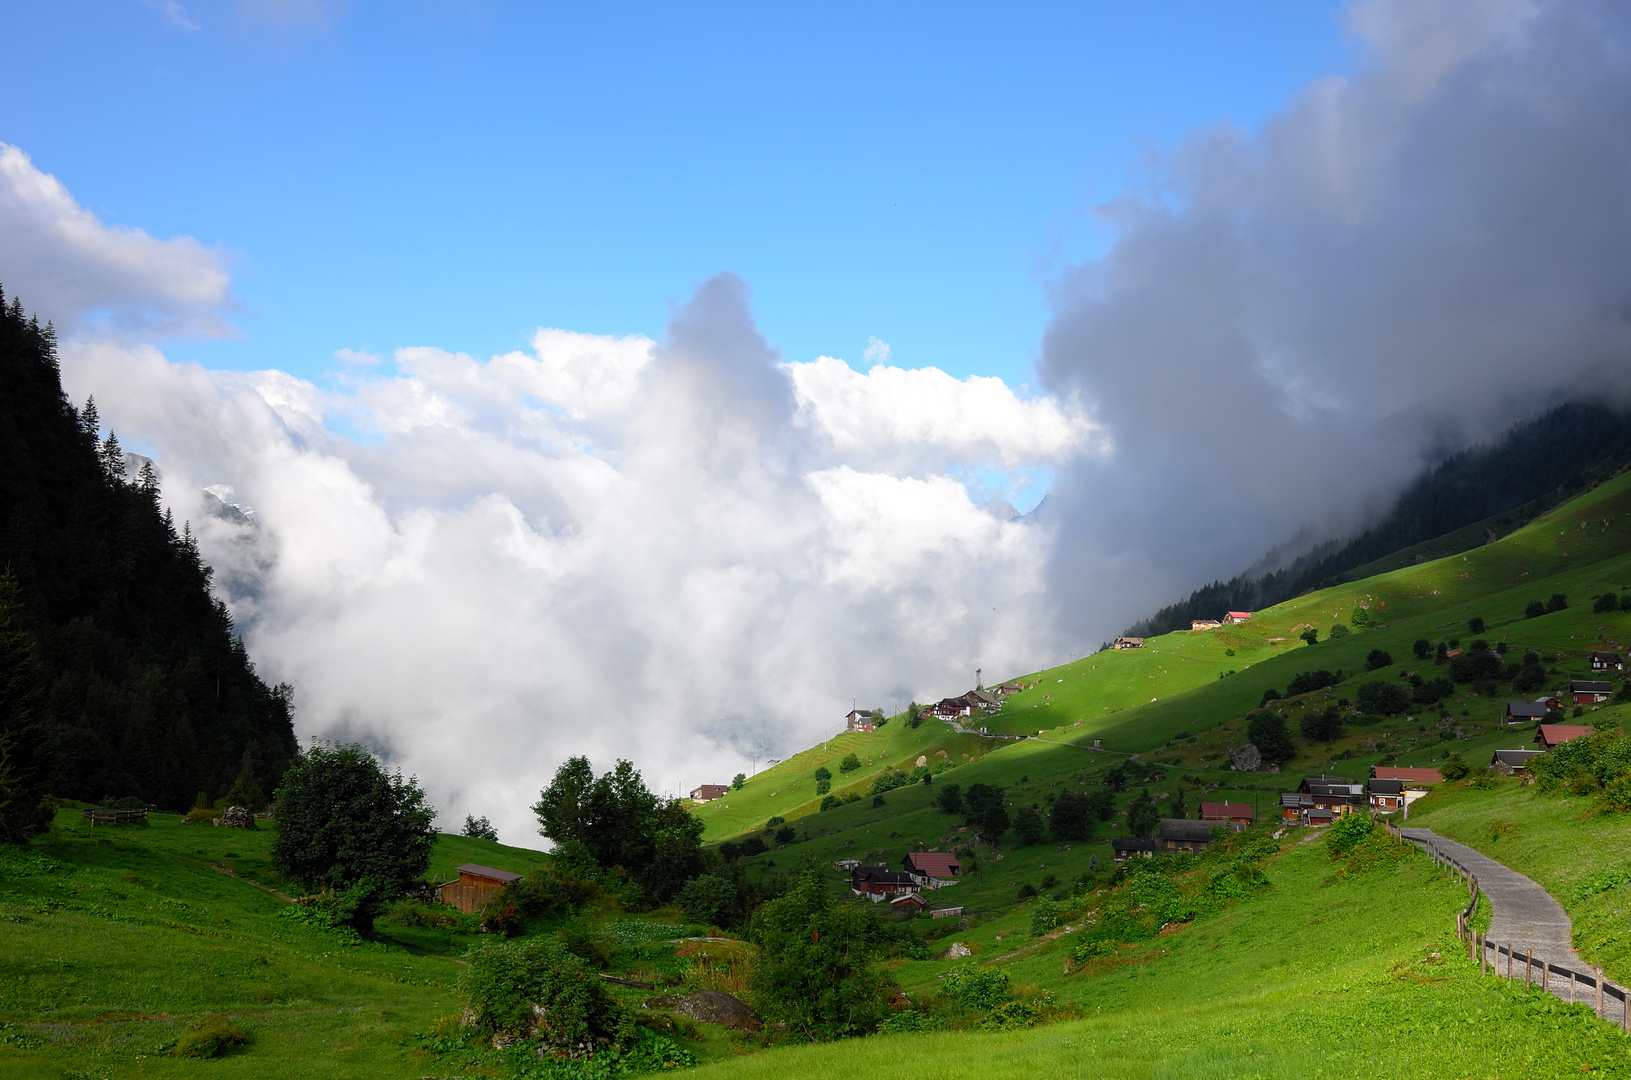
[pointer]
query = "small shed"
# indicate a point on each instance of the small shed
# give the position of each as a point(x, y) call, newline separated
point(1238, 815)
point(1521, 712)
point(945, 913)
point(908, 902)
point(1125, 847)
point(475, 886)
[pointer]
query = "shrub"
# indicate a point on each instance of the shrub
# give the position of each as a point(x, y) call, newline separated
point(1605, 603)
point(1071, 816)
point(950, 798)
point(1268, 733)
point(877, 801)
point(1338, 631)
point(1347, 833)
point(979, 988)
point(1010, 1015)
point(1377, 659)
point(1476, 625)
point(1422, 648)
point(1617, 795)
point(208, 1037)
point(1044, 916)
point(1534, 609)
point(1454, 768)
point(536, 988)
point(786, 834)
point(816, 973)
point(1306, 682)
point(1092, 950)
point(849, 763)
point(889, 780)
point(1271, 694)
point(1557, 602)
point(1026, 891)
point(830, 802)
point(822, 773)
point(1311, 635)
point(752, 846)
point(823, 787)
point(773, 822)
point(1432, 691)
point(1387, 698)
point(908, 1021)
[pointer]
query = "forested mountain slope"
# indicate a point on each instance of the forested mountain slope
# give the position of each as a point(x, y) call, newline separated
point(1457, 505)
point(122, 673)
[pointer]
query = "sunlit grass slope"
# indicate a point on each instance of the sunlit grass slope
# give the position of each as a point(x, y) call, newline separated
point(1323, 976)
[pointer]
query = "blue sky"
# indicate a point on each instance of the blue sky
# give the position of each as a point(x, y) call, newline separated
point(456, 174)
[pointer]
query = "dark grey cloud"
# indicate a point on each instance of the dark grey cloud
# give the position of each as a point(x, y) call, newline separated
point(1399, 262)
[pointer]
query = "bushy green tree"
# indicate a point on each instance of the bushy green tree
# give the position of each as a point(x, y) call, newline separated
point(1311, 635)
point(1422, 648)
point(822, 773)
point(849, 763)
point(983, 803)
point(478, 828)
point(1534, 609)
point(950, 798)
point(346, 824)
point(1377, 659)
point(1453, 768)
point(1477, 625)
point(816, 972)
point(1347, 833)
point(739, 781)
point(1028, 825)
point(1386, 698)
point(1143, 816)
point(1360, 617)
point(1322, 725)
point(1338, 632)
point(1557, 602)
point(1102, 804)
point(614, 821)
point(1267, 731)
point(1071, 816)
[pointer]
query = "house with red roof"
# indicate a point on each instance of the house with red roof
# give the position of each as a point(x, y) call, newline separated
point(1234, 617)
point(1238, 815)
point(1409, 776)
point(932, 869)
point(1550, 735)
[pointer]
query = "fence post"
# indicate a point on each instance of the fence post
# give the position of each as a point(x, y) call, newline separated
point(1574, 986)
point(1625, 1013)
point(1599, 969)
point(1546, 976)
point(1528, 965)
point(1481, 958)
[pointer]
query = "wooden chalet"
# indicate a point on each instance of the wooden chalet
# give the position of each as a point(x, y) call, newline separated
point(1128, 643)
point(475, 886)
point(932, 869)
point(1607, 661)
point(952, 707)
point(1386, 796)
point(856, 720)
point(1185, 834)
point(1234, 618)
point(1511, 762)
point(907, 902)
point(1010, 688)
point(709, 792)
point(879, 883)
point(1332, 796)
point(1522, 712)
point(1590, 691)
point(1550, 735)
point(945, 913)
point(1236, 815)
point(1123, 848)
point(1204, 624)
point(983, 699)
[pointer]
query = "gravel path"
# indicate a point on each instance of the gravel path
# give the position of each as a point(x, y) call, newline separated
point(1523, 916)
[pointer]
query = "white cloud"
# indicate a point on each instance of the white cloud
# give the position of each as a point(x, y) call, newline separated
point(609, 546)
point(175, 14)
point(86, 275)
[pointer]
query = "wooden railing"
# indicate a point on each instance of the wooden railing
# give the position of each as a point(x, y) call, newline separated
point(1480, 948)
point(114, 817)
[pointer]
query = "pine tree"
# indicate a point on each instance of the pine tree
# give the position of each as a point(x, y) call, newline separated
point(113, 458)
point(24, 809)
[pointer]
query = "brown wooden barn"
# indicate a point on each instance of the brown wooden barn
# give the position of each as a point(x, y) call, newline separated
point(475, 886)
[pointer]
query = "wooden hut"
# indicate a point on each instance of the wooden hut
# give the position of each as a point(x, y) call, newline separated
point(475, 886)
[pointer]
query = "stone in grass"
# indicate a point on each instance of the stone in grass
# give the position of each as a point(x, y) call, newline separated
point(208, 1037)
point(956, 951)
point(717, 1007)
point(236, 817)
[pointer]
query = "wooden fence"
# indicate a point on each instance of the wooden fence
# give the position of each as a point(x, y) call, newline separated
point(1548, 976)
point(113, 817)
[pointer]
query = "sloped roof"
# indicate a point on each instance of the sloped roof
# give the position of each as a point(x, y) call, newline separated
point(1185, 829)
point(1386, 787)
point(1590, 686)
point(1225, 810)
point(1613, 656)
point(486, 872)
point(1552, 734)
point(934, 863)
point(1134, 843)
point(1414, 776)
point(1526, 708)
point(1517, 759)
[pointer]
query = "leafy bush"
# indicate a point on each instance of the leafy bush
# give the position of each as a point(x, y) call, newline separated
point(1387, 698)
point(774, 821)
point(830, 802)
point(1339, 631)
point(535, 988)
point(1454, 768)
point(1306, 682)
point(1071, 816)
point(786, 834)
point(907, 1021)
point(1422, 648)
point(1044, 916)
point(816, 973)
point(1092, 950)
point(1324, 725)
point(1433, 691)
point(1377, 659)
point(208, 1037)
point(1010, 1015)
point(977, 987)
point(1347, 832)
point(1534, 609)
point(822, 773)
point(1476, 625)
point(1267, 732)
point(823, 786)
point(950, 798)
point(888, 780)
point(849, 763)
point(1557, 602)
point(1603, 756)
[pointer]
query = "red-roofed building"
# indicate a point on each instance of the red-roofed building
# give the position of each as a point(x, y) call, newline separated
point(1550, 735)
point(932, 869)
point(1233, 617)
point(1409, 776)
point(1238, 815)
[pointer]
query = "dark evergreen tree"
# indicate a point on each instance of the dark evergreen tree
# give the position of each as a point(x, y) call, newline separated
point(144, 689)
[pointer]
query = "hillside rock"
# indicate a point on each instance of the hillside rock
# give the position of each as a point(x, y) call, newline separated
point(717, 1007)
point(236, 817)
point(955, 951)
